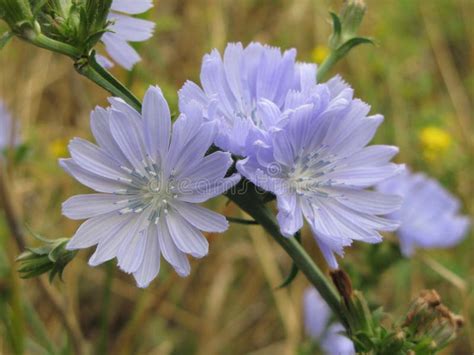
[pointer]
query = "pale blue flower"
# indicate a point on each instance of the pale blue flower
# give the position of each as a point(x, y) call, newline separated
point(317, 320)
point(9, 129)
point(429, 214)
point(124, 29)
point(317, 164)
point(149, 178)
point(234, 87)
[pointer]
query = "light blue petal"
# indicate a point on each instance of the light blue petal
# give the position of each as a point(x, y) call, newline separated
point(92, 205)
point(129, 138)
point(132, 7)
point(101, 130)
point(92, 158)
point(96, 230)
point(131, 29)
point(201, 218)
point(187, 238)
point(171, 253)
point(93, 181)
point(150, 265)
point(157, 123)
point(120, 51)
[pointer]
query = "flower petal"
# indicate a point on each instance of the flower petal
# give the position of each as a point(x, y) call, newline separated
point(187, 238)
point(201, 218)
point(92, 205)
point(170, 252)
point(150, 265)
point(157, 123)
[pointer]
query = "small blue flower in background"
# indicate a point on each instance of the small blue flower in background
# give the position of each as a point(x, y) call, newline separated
point(126, 29)
point(9, 129)
point(149, 178)
point(429, 214)
point(317, 164)
point(317, 317)
point(237, 87)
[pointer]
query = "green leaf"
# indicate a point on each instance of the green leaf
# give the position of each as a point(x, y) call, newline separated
point(5, 38)
point(353, 42)
point(294, 268)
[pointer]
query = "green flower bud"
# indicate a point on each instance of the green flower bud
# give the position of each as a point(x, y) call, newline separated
point(69, 27)
point(351, 17)
point(346, 26)
point(18, 15)
point(79, 23)
point(50, 258)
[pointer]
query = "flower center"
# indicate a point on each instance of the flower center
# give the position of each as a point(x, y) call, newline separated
point(308, 176)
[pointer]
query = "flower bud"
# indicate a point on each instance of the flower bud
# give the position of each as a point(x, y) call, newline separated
point(50, 258)
point(79, 23)
point(18, 15)
point(351, 18)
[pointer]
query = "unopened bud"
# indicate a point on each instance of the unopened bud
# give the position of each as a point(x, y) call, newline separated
point(351, 17)
point(50, 258)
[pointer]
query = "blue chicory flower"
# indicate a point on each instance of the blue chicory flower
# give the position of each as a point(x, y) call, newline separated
point(317, 320)
point(317, 164)
point(429, 214)
point(124, 29)
point(149, 178)
point(235, 87)
point(9, 129)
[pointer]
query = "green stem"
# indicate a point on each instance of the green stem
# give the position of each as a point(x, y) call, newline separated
point(45, 42)
point(94, 72)
point(104, 322)
point(249, 202)
point(327, 65)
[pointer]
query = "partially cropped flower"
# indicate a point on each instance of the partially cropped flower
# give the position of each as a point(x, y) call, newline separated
point(317, 164)
point(9, 129)
point(319, 53)
point(234, 87)
point(149, 178)
point(429, 215)
point(124, 29)
point(317, 318)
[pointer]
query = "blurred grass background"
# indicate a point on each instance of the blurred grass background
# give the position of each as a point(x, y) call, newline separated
point(419, 76)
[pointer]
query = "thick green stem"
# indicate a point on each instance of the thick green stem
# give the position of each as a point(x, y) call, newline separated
point(93, 71)
point(249, 201)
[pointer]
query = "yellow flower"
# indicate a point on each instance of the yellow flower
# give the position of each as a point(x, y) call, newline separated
point(58, 148)
point(319, 53)
point(434, 141)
